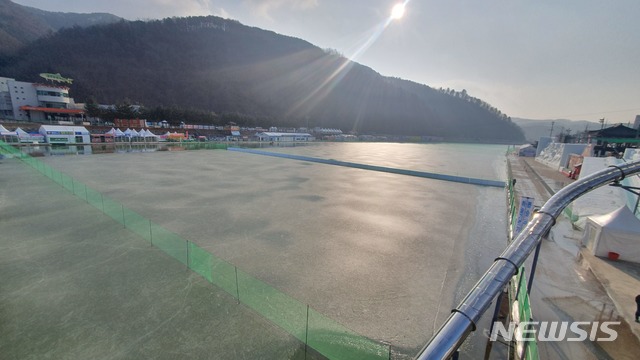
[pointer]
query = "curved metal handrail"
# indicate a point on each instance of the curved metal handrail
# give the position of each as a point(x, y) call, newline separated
point(463, 319)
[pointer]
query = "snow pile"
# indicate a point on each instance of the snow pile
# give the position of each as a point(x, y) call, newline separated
point(556, 155)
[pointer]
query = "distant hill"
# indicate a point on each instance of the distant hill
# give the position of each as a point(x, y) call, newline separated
point(535, 129)
point(20, 25)
point(224, 67)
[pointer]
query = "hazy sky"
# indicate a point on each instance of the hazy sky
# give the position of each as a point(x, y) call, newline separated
point(539, 59)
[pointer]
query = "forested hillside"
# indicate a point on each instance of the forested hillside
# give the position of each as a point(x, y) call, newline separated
point(20, 25)
point(223, 67)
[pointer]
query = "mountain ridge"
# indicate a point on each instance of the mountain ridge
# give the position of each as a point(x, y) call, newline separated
point(20, 25)
point(222, 66)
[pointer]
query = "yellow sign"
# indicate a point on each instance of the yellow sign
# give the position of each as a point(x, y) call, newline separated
point(56, 77)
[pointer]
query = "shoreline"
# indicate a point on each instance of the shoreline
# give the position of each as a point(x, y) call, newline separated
point(573, 285)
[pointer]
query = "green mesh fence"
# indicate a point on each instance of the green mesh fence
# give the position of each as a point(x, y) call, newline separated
point(519, 282)
point(310, 327)
point(524, 307)
point(276, 306)
point(200, 262)
point(336, 342)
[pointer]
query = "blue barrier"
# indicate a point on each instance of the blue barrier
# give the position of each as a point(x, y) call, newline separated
point(422, 174)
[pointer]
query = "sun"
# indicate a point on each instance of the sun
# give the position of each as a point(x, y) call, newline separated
point(398, 11)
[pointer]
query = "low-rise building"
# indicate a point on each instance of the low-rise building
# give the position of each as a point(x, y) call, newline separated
point(283, 137)
point(54, 134)
point(38, 102)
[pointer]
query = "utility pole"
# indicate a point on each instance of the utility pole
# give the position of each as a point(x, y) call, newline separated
point(602, 123)
point(551, 132)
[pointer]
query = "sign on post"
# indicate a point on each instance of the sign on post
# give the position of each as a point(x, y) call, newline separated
point(524, 214)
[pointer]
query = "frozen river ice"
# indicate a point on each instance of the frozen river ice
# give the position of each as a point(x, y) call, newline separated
point(385, 255)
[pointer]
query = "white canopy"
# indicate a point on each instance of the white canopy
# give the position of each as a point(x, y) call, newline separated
point(149, 133)
point(127, 132)
point(21, 132)
point(4, 131)
point(119, 132)
point(111, 132)
point(618, 231)
point(134, 133)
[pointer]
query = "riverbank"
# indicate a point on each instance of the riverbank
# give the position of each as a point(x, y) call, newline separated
point(572, 285)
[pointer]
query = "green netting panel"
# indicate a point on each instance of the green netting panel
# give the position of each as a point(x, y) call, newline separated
point(79, 189)
point(94, 198)
point(113, 209)
point(321, 333)
point(523, 298)
point(138, 224)
point(274, 305)
point(36, 164)
point(525, 314)
point(56, 176)
point(200, 261)
point(46, 170)
point(532, 351)
point(67, 182)
point(170, 243)
point(223, 275)
point(337, 342)
point(8, 149)
point(28, 160)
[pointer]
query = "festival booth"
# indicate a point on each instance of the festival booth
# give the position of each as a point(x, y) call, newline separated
point(54, 134)
point(135, 136)
point(25, 137)
point(149, 136)
point(107, 137)
point(120, 136)
point(615, 235)
point(8, 136)
point(176, 136)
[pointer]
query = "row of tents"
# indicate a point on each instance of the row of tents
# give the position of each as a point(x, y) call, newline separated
point(19, 135)
point(144, 135)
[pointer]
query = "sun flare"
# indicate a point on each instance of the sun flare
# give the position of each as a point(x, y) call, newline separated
point(397, 11)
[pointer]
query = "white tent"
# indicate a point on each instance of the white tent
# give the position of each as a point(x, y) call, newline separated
point(119, 133)
point(127, 132)
point(149, 134)
point(4, 131)
point(618, 232)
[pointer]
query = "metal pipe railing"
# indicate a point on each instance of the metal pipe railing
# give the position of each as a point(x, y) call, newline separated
point(463, 319)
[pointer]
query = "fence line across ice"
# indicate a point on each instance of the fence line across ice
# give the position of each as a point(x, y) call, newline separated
point(310, 327)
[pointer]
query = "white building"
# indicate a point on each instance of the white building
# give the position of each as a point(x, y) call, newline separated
point(284, 137)
point(37, 102)
point(54, 134)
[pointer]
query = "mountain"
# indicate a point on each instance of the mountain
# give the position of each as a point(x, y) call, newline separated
point(20, 25)
point(535, 129)
point(221, 66)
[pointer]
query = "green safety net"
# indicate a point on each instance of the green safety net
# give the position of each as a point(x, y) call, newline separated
point(324, 335)
point(519, 283)
point(518, 292)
